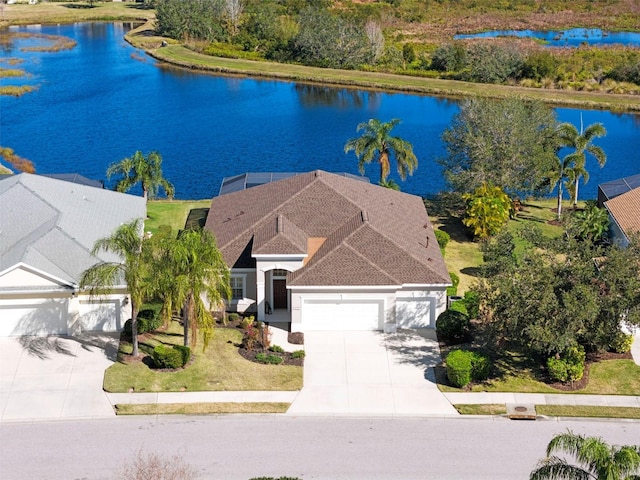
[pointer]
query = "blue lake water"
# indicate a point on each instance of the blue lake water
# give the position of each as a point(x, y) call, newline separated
point(103, 100)
point(567, 38)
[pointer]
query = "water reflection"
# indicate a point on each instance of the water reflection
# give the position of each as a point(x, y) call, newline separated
point(312, 96)
point(568, 38)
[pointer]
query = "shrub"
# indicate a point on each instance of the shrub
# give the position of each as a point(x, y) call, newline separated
point(185, 352)
point(459, 368)
point(298, 354)
point(621, 343)
point(442, 238)
point(151, 319)
point(452, 327)
point(167, 357)
point(251, 335)
point(472, 303)
point(453, 289)
point(246, 321)
point(276, 348)
point(464, 366)
point(268, 359)
point(142, 326)
point(157, 466)
point(234, 317)
point(459, 306)
point(568, 367)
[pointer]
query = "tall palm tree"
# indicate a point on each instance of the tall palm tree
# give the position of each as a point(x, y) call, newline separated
point(128, 243)
point(145, 170)
point(197, 271)
point(376, 143)
point(581, 142)
point(562, 174)
point(597, 460)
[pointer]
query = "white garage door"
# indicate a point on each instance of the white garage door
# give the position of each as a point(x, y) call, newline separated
point(100, 316)
point(33, 318)
point(415, 312)
point(342, 314)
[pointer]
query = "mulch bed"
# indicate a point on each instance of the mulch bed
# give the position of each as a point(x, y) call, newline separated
point(286, 356)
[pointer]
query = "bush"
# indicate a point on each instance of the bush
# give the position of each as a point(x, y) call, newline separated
point(246, 322)
point(568, 367)
point(452, 327)
point(458, 306)
point(151, 319)
point(442, 238)
point(298, 354)
point(167, 357)
point(472, 303)
point(269, 359)
point(464, 366)
point(276, 348)
point(185, 352)
point(234, 317)
point(453, 289)
point(142, 326)
point(621, 343)
point(459, 368)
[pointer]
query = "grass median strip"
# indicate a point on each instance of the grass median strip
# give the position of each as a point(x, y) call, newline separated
point(585, 411)
point(200, 408)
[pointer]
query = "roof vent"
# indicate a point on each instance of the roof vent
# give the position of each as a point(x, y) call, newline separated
point(365, 216)
point(279, 224)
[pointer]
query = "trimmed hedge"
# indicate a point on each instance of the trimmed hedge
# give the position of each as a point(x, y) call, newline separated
point(452, 327)
point(569, 367)
point(149, 319)
point(185, 352)
point(452, 291)
point(464, 366)
point(167, 357)
point(472, 303)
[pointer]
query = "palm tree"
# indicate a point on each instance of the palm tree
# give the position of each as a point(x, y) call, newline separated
point(377, 144)
point(128, 243)
point(582, 144)
point(561, 175)
point(597, 460)
point(197, 271)
point(145, 170)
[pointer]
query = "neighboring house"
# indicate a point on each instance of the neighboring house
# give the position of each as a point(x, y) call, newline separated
point(329, 252)
point(47, 230)
point(624, 216)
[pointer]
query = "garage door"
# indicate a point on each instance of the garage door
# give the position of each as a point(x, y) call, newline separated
point(342, 314)
point(100, 316)
point(415, 312)
point(33, 318)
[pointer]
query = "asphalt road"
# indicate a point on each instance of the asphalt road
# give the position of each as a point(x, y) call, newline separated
point(242, 447)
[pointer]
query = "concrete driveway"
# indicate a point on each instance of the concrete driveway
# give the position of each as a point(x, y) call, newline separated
point(55, 377)
point(371, 373)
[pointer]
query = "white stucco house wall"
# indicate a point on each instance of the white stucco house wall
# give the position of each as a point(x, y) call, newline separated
point(48, 227)
point(323, 251)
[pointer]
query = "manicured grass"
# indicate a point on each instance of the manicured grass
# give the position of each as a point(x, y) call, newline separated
point(70, 12)
point(588, 411)
point(170, 212)
point(614, 377)
point(481, 409)
point(554, 410)
point(219, 368)
point(200, 408)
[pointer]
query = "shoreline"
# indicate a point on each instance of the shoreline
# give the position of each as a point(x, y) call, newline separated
point(178, 56)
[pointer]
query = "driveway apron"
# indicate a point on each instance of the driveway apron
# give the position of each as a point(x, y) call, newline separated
point(371, 373)
point(48, 378)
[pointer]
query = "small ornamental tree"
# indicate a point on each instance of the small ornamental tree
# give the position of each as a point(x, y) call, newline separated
point(488, 210)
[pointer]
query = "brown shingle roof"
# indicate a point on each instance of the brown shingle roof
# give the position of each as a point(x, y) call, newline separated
point(375, 236)
point(625, 209)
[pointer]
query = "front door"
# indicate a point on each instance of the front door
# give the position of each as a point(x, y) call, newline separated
point(279, 294)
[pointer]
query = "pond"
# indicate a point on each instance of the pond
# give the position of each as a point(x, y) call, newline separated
point(567, 38)
point(103, 100)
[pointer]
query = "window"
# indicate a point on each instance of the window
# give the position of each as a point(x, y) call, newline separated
point(278, 272)
point(237, 287)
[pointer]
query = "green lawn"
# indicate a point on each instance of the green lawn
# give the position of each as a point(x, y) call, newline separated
point(171, 212)
point(220, 367)
point(554, 410)
point(200, 408)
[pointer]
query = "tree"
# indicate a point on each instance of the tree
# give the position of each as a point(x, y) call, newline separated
point(581, 143)
point(595, 459)
point(197, 270)
point(190, 19)
point(558, 177)
point(233, 11)
point(376, 38)
point(128, 243)
point(145, 170)
point(488, 210)
point(510, 143)
point(376, 143)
